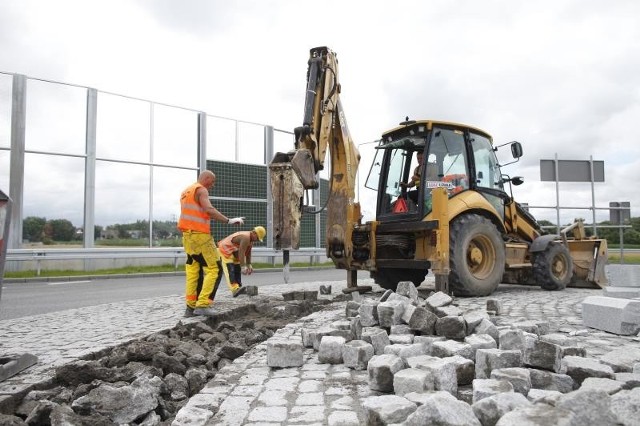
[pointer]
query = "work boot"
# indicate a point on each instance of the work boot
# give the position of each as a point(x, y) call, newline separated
point(238, 291)
point(188, 313)
point(207, 312)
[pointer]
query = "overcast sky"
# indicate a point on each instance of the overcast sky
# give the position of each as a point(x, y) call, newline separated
point(560, 76)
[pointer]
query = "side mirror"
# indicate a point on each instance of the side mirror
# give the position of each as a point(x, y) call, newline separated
point(516, 180)
point(516, 150)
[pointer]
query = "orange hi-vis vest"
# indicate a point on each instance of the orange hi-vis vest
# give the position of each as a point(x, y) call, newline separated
point(192, 216)
point(227, 247)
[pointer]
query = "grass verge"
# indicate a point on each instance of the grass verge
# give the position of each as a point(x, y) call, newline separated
point(629, 259)
point(140, 270)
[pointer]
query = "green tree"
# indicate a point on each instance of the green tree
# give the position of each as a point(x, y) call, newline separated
point(33, 228)
point(164, 229)
point(97, 231)
point(631, 236)
point(61, 229)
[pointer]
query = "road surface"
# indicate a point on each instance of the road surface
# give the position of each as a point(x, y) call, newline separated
point(25, 299)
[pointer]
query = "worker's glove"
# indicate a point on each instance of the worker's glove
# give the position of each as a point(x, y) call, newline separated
point(236, 221)
point(247, 270)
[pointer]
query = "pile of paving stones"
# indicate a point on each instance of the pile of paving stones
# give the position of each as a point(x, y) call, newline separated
point(146, 381)
point(430, 362)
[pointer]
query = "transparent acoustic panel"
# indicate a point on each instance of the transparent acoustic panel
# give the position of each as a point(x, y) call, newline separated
point(282, 142)
point(6, 83)
point(122, 193)
point(54, 187)
point(123, 129)
point(221, 139)
point(168, 184)
point(56, 118)
point(175, 136)
point(251, 143)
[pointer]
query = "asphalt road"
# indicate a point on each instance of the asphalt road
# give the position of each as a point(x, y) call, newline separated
point(25, 299)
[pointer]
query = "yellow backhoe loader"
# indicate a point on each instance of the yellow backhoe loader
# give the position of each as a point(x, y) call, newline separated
point(450, 214)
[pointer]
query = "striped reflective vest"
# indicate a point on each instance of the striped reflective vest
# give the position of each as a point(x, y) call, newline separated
point(192, 216)
point(228, 247)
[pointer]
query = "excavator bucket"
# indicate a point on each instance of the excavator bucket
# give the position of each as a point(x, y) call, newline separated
point(589, 259)
point(287, 191)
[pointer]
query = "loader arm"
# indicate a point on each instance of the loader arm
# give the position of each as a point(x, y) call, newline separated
point(324, 128)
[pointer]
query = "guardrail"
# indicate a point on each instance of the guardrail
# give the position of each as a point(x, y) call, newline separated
point(41, 255)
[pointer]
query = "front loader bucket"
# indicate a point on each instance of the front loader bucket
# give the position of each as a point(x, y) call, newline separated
point(286, 192)
point(589, 260)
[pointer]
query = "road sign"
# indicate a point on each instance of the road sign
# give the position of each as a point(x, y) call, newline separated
point(620, 212)
point(571, 171)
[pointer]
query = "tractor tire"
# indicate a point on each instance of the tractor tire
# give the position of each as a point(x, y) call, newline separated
point(553, 267)
point(477, 256)
point(388, 278)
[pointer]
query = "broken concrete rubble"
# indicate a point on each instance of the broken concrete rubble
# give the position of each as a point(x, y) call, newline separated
point(147, 381)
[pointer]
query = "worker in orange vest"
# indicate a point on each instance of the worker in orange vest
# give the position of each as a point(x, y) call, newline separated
point(235, 254)
point(196, 213)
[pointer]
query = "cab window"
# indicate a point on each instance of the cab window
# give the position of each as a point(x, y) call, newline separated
point(446, 163)
point(487, 168)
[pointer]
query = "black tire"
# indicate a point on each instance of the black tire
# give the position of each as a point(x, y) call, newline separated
point(388, 278)
point(477, 256)
point(553, 267)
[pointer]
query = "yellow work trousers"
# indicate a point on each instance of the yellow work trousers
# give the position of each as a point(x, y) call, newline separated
point(201, 252)
point(233, 279)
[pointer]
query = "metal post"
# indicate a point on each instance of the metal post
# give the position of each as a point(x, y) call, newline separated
point(90, 170)
point(202, 142)
point(16, 168)
point(593, 195)
point(557, 193)
point(151, 143)
point(621, 242)
point(237, 142)
point(268, 154)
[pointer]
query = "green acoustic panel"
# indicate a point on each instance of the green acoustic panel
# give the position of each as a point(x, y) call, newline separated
point(255, 213)
point(237, 180)
point(237, 183)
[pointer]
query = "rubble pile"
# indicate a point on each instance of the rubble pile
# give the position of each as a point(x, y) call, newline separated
point(146, 381)
point(430, 362)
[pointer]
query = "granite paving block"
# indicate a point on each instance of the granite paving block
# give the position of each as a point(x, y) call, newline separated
point(619, 316)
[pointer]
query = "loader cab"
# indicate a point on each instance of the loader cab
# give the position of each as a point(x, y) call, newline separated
point(457, 157)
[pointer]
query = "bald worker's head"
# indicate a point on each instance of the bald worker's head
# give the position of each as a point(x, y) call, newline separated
point(207, 179)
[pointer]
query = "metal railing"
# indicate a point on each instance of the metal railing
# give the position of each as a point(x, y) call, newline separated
point(41, 255)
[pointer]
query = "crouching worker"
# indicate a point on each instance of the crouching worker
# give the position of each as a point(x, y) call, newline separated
point(235, 254)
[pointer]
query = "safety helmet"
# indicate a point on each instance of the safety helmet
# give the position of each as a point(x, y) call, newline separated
point(260, 232)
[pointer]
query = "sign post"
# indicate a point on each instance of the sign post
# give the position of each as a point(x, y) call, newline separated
point(619, 214)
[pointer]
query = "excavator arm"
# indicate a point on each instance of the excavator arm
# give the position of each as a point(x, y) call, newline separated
point(324, 128)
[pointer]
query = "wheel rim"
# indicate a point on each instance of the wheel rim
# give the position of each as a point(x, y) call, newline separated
point(559, 266)
point(481, 255)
